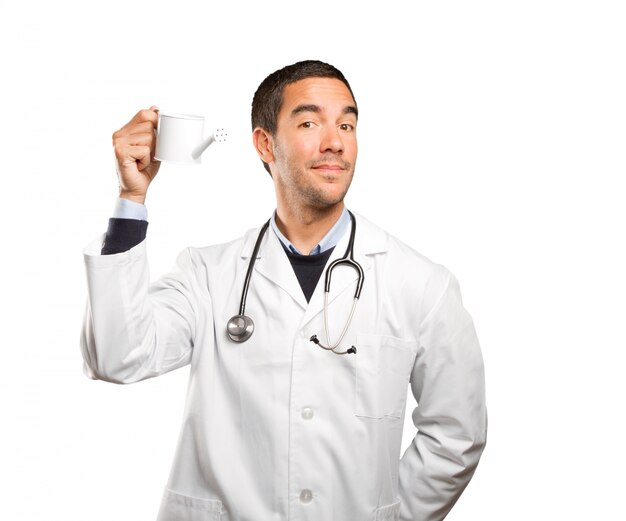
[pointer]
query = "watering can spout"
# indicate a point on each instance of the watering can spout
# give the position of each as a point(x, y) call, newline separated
point(219, 136)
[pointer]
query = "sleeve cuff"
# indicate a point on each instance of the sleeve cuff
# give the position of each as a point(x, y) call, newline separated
point(125, 209)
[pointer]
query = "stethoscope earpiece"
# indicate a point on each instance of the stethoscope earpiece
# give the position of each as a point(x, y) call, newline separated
point(240, 328)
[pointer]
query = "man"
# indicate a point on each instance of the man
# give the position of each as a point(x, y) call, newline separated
point(279, 426)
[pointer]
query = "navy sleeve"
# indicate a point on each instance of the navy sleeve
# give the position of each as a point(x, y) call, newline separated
point(123, 234)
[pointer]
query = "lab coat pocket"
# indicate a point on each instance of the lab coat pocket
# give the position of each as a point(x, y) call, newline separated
point(388, 512)
point(176, 507)
point(383, 368)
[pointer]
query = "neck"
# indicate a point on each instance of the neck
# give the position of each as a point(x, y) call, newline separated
point(306, 227)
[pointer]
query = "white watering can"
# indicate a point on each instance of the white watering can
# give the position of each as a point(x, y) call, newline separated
point(180, 138)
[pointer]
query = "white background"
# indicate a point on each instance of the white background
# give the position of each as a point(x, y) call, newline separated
point(491, 140)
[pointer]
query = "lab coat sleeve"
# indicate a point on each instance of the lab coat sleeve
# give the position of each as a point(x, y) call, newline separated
point(447, 381)
point(134, 329)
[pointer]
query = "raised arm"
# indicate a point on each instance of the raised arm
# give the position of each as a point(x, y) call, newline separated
point(133, 329)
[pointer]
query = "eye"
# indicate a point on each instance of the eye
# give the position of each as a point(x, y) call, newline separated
point(307, 124)
point(347, 127)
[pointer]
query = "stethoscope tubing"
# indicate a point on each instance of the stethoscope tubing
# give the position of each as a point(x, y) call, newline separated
point(240, 327)
point(246, 284)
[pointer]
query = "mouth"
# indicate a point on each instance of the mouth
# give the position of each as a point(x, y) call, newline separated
point(329, 167)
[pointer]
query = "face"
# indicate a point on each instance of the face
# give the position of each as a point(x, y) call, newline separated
point(314, 148)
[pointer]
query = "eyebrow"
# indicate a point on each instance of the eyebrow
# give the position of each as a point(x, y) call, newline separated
point(350, 109)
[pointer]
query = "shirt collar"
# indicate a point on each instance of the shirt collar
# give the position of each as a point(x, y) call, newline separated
point(329, 241)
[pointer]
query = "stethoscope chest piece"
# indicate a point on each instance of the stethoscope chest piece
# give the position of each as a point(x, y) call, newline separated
point(240, 328)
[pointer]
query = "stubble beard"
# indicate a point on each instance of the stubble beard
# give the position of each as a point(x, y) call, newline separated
point(301, 190)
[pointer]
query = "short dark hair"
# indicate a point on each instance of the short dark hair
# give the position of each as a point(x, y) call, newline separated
point(268, 98)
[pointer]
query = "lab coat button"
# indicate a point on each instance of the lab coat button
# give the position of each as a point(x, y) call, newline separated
point(306, 496)
point(307, 413)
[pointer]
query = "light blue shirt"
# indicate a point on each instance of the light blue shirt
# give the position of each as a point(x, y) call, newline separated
point(125, 209)
point(329, 241)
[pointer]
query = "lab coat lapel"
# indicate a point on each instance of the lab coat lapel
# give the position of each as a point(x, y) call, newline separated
point(273, 263)
point(344, 278)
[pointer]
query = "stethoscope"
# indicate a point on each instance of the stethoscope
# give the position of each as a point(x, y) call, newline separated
point(240, 327)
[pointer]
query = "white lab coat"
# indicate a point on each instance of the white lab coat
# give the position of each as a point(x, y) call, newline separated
point(277, 428)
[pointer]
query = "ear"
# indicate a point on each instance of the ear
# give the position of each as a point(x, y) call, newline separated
point(263, 144)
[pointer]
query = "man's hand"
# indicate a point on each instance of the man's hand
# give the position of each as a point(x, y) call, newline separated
point(134, 146)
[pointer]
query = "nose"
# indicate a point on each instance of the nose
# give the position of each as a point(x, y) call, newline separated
point(331, 140)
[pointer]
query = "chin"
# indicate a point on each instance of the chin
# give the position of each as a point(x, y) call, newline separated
point(326, 199)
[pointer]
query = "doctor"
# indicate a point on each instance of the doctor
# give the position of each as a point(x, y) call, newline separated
point(277, 427)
